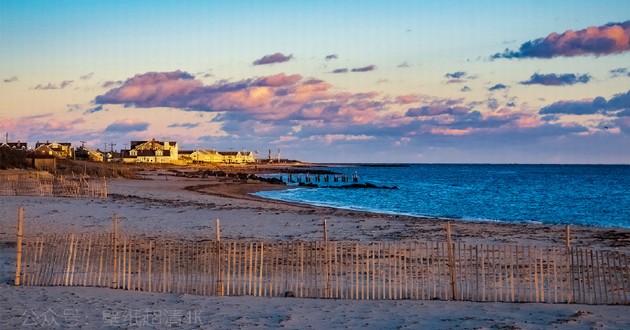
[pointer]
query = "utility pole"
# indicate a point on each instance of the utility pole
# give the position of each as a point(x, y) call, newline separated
point(111, 145)
point(82, 144)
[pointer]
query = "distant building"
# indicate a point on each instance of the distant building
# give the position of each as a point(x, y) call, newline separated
point(83, 153)
point(213, 156)
point(21, 146)
point(238, 157)
point(151, 152)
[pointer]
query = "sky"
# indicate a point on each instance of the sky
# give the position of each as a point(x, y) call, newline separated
point(324, 81)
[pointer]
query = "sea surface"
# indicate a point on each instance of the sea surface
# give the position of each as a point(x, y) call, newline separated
point(592, 195)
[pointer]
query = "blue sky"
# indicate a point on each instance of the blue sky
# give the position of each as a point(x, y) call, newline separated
point(369, 81)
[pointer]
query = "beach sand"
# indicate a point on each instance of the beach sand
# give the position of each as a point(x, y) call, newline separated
point(166, 205)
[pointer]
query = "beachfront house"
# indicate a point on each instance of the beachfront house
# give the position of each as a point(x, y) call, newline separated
point(238, 157)
point(19, 146)
point(206, 156)
point(159, 152)
point(58, 150)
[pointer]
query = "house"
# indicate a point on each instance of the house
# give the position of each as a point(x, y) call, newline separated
point(238, 157)
point(206, 156)
point(59, 150)
point(21, 146)
point(83, 153)
point(151, 152)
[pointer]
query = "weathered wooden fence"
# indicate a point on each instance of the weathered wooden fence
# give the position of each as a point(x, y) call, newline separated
point(58, 186)
point(321, 269)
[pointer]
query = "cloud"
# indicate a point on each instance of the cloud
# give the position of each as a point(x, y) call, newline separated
point(303, 110)
point(365, 68)
point(404, 65)
point(87, 76)
point(74, 107)
point(616, 105)
point(11, 79)
point(455, 75)
point(111, 83)
point(151, 89)
point(65, 83)
point(497, 87)
point(612, 38)
point(552, 79)
point(342, 70)
point(465, 89)
point(614, 73)
point(273, 58)
point(278, 80)
point(127, 125)
point(94, 109)
point(185, 125)
point(330, 57)
point(50, 86)
point(407, 99)
point(330, 138)
point(436, 110)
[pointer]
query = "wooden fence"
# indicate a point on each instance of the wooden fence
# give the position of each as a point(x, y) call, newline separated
point(322, 269)
point(57, 186)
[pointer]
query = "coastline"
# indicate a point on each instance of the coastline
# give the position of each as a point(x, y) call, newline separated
point(166, 205)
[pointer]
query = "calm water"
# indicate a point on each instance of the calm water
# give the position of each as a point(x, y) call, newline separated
point(597, 195)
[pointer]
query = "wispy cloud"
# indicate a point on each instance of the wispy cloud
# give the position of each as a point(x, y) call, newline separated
point(619, 72)
point(552, 79)
point(185, 125)
point(455, 75)
point(127, 125)
point(330, 57)
point(11, 79)
point(273, 58)
point(50, 86)
point(364, 69)
point(341, 70)
point(87, 76)
point(95, 109)
point(111, 83)
point(497, 87)
point(611, 38)
point(404, 65)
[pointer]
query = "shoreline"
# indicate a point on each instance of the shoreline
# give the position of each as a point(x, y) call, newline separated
point(607, 237)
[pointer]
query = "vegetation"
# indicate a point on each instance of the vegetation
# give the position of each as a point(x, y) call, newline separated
point(10, 158)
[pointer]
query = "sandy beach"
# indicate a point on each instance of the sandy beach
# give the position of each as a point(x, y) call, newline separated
point(163, 204)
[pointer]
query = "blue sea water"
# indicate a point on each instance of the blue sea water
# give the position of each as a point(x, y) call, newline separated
point(593, 195)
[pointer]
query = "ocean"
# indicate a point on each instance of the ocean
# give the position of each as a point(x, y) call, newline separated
point(592, 195)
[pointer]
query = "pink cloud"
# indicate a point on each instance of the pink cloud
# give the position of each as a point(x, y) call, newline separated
point(608, 39)
point(273, 58)
point(279, 80)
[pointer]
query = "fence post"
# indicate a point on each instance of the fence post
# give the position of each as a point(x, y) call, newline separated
point(115, 223)
point(327, 261)
point(18, 257)
point(567, 238)
point(219, 272)
point(451, 260)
